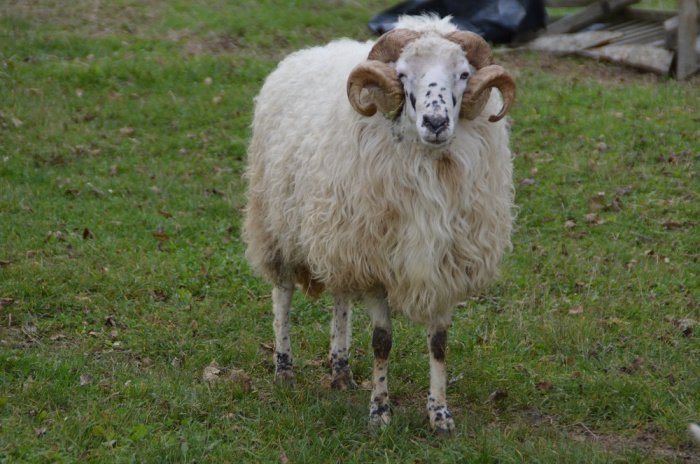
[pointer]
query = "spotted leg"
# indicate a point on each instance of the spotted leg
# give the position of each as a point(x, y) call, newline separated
point(379, 407)
point(341, 331)
point(440, 418)
point(281, 306)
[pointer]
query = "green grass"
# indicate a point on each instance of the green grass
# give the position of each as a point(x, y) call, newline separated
point(123, 132)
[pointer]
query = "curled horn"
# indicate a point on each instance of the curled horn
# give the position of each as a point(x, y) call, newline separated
point(487, 75)
point(375, 75)
point(385, 92)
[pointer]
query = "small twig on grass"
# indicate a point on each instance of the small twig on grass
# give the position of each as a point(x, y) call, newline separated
point(589, 431)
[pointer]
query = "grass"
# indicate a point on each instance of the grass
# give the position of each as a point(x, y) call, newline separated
point(123, 131)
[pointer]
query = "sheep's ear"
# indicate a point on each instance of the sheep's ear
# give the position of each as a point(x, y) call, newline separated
point(383, 89)
point(479, 90)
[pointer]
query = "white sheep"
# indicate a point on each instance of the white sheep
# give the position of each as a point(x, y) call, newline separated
point(364, 180)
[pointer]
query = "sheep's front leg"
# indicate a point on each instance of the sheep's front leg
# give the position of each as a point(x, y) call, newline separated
point(341, 334)
point(281, 306)
point(440, 418)
point(379, 407)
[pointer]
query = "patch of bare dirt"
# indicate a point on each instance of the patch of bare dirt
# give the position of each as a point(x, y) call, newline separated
point(215, 44)
point(95, 17)
point(647, 440)
point(578, 68)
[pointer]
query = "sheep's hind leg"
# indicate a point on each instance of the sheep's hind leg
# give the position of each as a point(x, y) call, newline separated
point(341, 330)
point(281, 307)
point(440, 418)
point(379, 406)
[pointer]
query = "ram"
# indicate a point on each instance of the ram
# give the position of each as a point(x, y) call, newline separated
point(382, 172)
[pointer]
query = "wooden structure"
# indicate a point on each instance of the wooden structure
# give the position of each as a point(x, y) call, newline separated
point(660, 41)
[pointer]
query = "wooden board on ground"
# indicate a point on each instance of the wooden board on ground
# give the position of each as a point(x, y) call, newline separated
point(562, 44)
point(646, 57)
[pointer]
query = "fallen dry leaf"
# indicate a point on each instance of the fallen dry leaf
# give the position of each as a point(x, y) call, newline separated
point(110, 321)
point(498, 395)
point(527, 181)
point(4, 263)
point(6, 302)
point(267, 347)
point(240, 378)
point(211, 372)
point(161, 235)
point(684, 325)
point(594, 219)
point(569, 224)
point(633, 366)
point(160, 295)
point(544, 386)
point(85, 379)
point(597, 202)
point(40, 431)
point(213, 191)
point(30, 331)
point(578, 309)
point(55, 235)
point(127, 131)
point(113, 170)
point(283, 458)
point(624, 190)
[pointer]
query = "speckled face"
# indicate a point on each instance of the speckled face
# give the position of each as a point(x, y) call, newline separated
point(434, 73)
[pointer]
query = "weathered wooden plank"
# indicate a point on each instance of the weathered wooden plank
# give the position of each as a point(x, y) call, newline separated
point(643, 38)
point(588, 16)
point(644, 57)
point(638, 26)
point(671, 28)
point(562, 44)
point(623, 26)
point(687, 58)
point(644, 35)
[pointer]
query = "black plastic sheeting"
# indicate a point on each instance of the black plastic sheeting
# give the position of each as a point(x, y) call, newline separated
point(498, 21)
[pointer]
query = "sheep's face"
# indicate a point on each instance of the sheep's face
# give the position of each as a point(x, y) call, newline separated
point(429, 80)
point(434, 74)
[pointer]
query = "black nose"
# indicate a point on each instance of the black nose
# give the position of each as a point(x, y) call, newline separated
point(435, 124)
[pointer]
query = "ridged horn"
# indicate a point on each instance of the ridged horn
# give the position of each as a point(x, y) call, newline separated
point(487, 76)
point(385, 93)
point(477, 94)
point(388, 47)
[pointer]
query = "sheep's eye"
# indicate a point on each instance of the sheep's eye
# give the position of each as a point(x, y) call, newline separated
point(464, 76)
point(401, 76)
